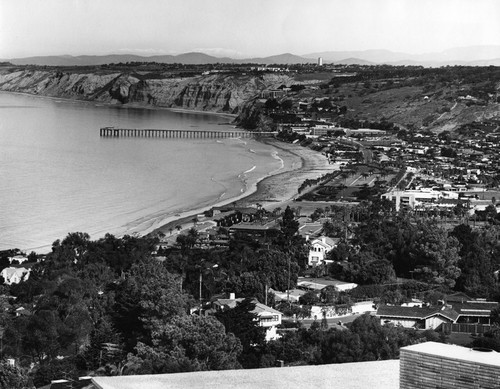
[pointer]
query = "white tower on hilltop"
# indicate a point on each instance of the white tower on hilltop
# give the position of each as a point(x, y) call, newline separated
point(320, 61)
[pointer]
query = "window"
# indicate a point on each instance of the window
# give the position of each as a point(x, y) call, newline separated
point(269, 319)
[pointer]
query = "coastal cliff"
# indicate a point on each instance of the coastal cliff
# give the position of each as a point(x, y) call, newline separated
point(222, 93)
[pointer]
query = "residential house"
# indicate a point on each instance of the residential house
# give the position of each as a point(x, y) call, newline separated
point(416, 317)
point(256, 231)
point(14, 275)
point(453, 312)
point(267, 317)
point(474, 311)
point(319, 248)
point(18, 259)
point(317, 284)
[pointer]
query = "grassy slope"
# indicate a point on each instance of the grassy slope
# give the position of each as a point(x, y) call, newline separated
point(443, 109)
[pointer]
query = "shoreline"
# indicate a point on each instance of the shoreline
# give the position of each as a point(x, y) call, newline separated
point(274, 189)
point(243, 198)
point(120, 230)
point(127, 105)
point(277, 189)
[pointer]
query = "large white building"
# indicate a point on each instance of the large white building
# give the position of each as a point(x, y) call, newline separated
point(416, 198)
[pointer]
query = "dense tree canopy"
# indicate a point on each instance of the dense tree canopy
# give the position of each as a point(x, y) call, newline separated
point(186, 343)
point(109, 307)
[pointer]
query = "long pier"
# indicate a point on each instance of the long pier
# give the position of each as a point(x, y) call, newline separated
point(112, 132)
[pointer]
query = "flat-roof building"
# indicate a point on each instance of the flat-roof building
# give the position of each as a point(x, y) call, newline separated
point(437, 365)
point(412, 198)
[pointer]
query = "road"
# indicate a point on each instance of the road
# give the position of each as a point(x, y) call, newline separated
point(367, 153)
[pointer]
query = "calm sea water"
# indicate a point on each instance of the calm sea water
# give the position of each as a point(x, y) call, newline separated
point(57, 175)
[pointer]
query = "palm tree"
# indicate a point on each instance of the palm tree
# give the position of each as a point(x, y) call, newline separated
point(170, 230)
point(178, 227)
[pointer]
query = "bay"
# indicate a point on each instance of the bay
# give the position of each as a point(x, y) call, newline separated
point(57, 175)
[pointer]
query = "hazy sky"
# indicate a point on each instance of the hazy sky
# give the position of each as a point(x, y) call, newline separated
point(244, 27)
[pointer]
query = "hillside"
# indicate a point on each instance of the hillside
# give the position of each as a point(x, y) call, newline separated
point(413, 107)
point(441, 99)
point(215, 92)
point(412, 97)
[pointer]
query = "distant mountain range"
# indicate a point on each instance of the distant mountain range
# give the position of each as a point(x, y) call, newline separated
point(469, 56)
point(472, 56)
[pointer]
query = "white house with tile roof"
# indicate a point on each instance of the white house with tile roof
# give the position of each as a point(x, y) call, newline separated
point(267, 317)
point(319, 248)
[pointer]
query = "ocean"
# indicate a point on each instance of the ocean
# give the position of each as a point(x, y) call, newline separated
point(57, 175)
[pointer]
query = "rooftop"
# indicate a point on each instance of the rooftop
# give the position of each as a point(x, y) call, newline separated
point(259, 307)
point(326, 241)
point(319, 283)
point(253, 227)
point(456, 352)
point(359, 375)
point(475, 308)
point(415, 312)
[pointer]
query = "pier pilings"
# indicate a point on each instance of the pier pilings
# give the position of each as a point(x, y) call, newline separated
point(112, 132)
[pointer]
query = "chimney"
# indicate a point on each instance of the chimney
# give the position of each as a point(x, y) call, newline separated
point(232, 296)
point(307, 238)
point(323, 239)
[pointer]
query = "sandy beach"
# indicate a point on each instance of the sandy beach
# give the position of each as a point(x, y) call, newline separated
point(300, 164)
point(277, 189)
